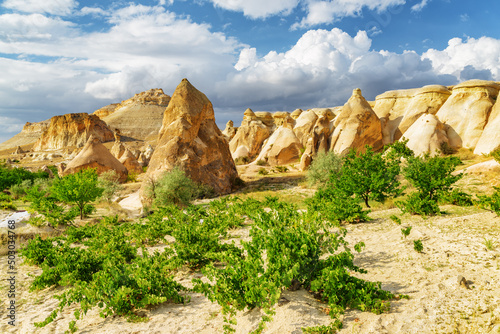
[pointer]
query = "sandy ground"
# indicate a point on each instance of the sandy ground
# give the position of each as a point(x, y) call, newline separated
point(454, 245)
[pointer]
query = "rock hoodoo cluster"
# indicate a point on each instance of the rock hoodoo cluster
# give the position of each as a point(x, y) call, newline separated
point(190, 139)
point(72, 130)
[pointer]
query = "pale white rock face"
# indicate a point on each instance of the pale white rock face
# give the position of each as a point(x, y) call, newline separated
point(356, 126)
point(467, 111)
point(490, 138)
point(283, 147)
point(304, 125)
point(249, 139)
point(426, 135)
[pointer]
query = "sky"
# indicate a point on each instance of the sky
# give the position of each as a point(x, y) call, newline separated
point(68, 56)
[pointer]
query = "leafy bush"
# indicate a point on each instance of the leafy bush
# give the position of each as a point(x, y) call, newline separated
point(492, 202)
point(417, 245)
point(368, 176)
point(242, 160)
point(261, 163)
point(395, 219)
point(398, 150)
point(281, 169)
point(322, 167)
point(298, 250)
point(432, 176)
point(11, 176)
point(496, 154)
point(79, 189)
point(263, 171)
point(456, 197)
point(405, 231)
point(175, 187)
point(110, 182)
point(43, 203)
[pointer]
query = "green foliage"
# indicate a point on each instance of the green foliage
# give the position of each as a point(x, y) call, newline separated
point(432, 176)
point(281, 169)
point(489, 244)
point(110, 182)
point(417, 245)
point(43, 203)
point(261, 163)
point(398, 150)
point(297, 250)
point(11, 176)
point(406, 231)
point(329, 329)
point(263, 171)
point(368, 176)
point(242, 160)
point(395, 219)
point(496, 155)
point(79, 189)
point(322, 167)
point(456, 197)
point(492, 202)
point(175, 187)
point(446, 149)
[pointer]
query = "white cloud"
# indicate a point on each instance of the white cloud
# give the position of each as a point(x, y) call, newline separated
point(55, 7)
point(17, 31)
point(419, 6)
point(328, 11)
point(482, 54)
point(258, 8)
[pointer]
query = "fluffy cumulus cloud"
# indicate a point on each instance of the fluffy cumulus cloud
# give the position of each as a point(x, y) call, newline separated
point(327, 11)
point(419, 6)
point(321, 69)
point(258, 8)
point(482, 54)
point(55, 7)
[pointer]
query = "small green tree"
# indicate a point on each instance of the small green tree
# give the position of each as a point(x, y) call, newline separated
point(79, 188)
point(432, 176)
point(369, 175)
point(109, 181)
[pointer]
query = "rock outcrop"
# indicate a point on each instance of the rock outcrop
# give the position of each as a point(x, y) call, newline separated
point(130, 162)
point(356, 126)
point(283, 147)
point(95, 155)
point(72, 130)
point(426, 135)
point(230, 130)
point(30, 133)
point(249, 139)
point(467, 111)
point(490, 138)
point(139, 117)
point(304, 126)
point(190, 139)
point(106, 110)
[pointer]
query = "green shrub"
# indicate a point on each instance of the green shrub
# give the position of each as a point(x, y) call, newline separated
point(242, 161)
point(446, 149)
point(11, 176)
point(395, 219)
point(492, 202)
point(110, 182)
point(369, 176)
point(495, 154)
point(173, 187)
point(322, 167)
point(405, 231)
point(456, 197)
point(281, 169)
point(263, 171)
point(261, 163)
point(432, 176)
point(417, 245)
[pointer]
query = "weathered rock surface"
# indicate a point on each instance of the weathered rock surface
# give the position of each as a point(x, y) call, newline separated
point(426, 135)
point(283, 147)
point(190, 139)
point(467, 111)
point(30, 133)
point(139, 117)
point(304, 126)
point(130, 162)
point(117, 149)
point(356, 126)
point(72, 130)
point(230, 130)
point(490, 138)
point(249, 139)
point(106, 110)
point(95, 155)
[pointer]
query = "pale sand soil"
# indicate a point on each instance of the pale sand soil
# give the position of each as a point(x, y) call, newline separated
point(453, 246)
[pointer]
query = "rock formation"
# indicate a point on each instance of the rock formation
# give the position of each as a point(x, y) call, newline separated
point(190, 139)
point(266, 118)
point(426, 135)
point(95, 155)
point(490, 138)
point(130, 162)
point(356, 126)
point(467, 111)
point(117, 149)
point(283, 147)
point(230, 130)
point(72, 130)
point(296, 113)
point(304, 126)
point(249, 139)
point(427, 100)
point(106, 110)
point(30, 133)
point(390, 108)
point(139, 117)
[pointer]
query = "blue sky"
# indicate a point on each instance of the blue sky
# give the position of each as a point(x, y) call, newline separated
point(62, 56)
